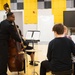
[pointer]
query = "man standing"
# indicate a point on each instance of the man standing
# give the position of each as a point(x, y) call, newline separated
point(6, 30)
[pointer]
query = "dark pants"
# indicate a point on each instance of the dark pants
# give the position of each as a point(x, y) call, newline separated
point(3, 74)
point(3, 57)
point(45, 67)
point(74, 69)
point(3, 66)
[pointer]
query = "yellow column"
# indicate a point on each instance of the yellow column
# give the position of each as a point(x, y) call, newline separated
point(30, 11)
point(58, 6)
point(2, 2)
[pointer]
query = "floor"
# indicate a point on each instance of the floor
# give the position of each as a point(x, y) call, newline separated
point(40, 55)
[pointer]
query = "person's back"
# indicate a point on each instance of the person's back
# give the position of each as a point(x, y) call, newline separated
point(61, 54)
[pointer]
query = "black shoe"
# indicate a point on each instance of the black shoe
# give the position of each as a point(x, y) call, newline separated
point(29, 47)
point(33, 64)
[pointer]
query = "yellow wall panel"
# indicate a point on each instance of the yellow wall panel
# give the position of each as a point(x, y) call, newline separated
point(2, 2)
point(30, 11)
point(58, 6)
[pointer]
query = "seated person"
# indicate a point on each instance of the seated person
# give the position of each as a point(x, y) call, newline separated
point(59, 52)
point(66, 32)
point(26, 43)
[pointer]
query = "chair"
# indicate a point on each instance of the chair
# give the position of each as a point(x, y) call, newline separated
point(68, 72)
point(34, 72)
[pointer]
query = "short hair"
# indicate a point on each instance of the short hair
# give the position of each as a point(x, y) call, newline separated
point(9, 14)
point(59, 28)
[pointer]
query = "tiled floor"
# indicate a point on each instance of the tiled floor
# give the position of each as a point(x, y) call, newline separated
point(40, 55)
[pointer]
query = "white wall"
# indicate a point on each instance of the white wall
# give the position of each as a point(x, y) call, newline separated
point(27, 27)
point(19, 18)
point(45, 25)
point(2, 13)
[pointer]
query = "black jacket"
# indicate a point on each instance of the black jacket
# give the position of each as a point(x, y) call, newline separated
point(7, 30)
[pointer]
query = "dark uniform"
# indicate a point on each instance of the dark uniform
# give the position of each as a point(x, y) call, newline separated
point(6, 30)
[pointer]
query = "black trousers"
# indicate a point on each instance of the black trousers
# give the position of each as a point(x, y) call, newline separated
point(44, 67)
point(3, 57)
point(74, 69)
point(3, 66)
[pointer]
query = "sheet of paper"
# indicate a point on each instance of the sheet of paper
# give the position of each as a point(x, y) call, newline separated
point(28, 35)
point(36, 36)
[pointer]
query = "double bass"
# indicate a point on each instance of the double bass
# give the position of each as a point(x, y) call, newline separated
point(16, 60)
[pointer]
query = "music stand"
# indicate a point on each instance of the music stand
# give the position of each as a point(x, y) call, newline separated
point(33, 36)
